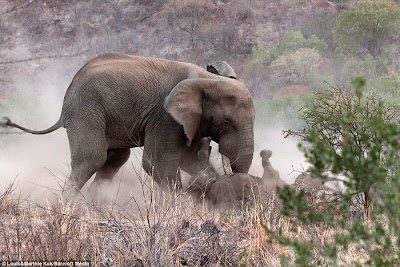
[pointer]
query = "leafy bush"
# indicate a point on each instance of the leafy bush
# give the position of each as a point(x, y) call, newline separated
point(295, 68)
point(254, 70)
point(291, 61)
point(258, 57)
point(340, 69)
point(388, 86)
point(322, 25)
point(293, 41)
point(368, 26)
point(357, 137)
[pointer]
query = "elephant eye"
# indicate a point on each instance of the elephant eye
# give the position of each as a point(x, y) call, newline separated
point(225, 123)
point(224, 126)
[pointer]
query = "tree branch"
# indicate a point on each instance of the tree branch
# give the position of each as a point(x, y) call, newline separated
point(15, 8)
point(40, 57)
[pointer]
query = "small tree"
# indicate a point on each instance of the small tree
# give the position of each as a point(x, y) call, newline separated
point(369, 25)
point(388, 86)
point(293, 41)
point(190, 18)
point(345, 127)
point(322, 25)
point(357, 137)
point(294, 68)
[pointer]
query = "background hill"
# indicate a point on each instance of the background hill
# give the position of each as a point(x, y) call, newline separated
point(270, 44)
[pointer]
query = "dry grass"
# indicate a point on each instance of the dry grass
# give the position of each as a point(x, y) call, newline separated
point(165, 230)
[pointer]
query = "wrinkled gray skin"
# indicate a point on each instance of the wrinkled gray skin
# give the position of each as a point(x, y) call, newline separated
point(116, 102)
point(221, 68)
point(228, 189)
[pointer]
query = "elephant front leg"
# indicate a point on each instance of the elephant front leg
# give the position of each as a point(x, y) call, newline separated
point(167, 172)
point(163, 168)
point(161, 160)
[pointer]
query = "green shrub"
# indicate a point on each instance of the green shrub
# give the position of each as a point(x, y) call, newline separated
point(322, 25)
point(368, 26)
point(293, 41)
point(258, 58)
point(387, 86)
point(291, 61)
point(355, 136)
point(340, 69)
point(295, 68)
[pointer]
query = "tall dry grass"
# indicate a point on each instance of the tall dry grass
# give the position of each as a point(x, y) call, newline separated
point(165, 229)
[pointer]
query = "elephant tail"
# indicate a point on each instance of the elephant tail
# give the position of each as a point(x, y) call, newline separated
point(7, 122)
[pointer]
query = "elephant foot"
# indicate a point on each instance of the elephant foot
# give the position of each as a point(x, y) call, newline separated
point(98, 191)
point(69, 193)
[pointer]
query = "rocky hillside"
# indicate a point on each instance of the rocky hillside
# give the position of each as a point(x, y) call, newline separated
point(271, 44)
point(197, 31)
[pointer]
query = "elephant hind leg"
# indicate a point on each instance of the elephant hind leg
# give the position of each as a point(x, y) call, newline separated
point(88, 154)
point(115, 159)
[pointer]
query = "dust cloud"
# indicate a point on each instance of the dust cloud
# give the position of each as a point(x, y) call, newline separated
point(38, 164)
point(286, 157)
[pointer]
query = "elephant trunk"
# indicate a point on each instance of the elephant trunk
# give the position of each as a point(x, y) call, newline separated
point(241, 151)
point(242, 163)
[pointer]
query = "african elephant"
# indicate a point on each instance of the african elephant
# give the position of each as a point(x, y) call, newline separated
point(116, 102)
point(228, 189)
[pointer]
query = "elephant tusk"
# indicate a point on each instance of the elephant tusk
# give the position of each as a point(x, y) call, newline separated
point(226, 164)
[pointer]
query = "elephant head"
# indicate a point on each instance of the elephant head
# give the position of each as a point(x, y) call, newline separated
point(221, 68)
point(220, 108)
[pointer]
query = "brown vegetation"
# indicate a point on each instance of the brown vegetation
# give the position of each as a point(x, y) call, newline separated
point(168, 230)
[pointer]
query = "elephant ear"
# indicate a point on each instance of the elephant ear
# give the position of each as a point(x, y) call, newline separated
point(184, 104)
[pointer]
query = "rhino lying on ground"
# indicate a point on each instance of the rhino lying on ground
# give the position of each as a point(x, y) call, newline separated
point(231, 189)
point(311, 183)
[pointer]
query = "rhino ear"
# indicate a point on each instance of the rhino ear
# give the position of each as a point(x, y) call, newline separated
point(185, 102)
point(222, 68)
point(211, 68)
